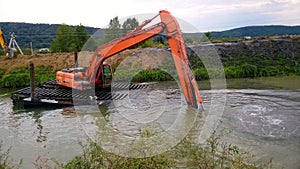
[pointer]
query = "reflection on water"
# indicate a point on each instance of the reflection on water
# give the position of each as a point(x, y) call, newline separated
point(266, 122)
point(37, 132)
point(155, 111)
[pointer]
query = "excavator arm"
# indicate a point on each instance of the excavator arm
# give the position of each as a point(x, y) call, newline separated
point(117, 46)
point(186, 77)
point(169, 25)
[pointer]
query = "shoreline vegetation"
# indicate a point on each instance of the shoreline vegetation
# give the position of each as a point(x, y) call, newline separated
point(186, 154)
point(20, 77)
point(245, 59)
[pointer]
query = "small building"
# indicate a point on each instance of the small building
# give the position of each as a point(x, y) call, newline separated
point(247, 37)
point(44, 50)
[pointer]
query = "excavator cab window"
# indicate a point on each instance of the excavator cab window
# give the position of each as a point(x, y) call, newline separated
point(107, 71)
point(107, 74)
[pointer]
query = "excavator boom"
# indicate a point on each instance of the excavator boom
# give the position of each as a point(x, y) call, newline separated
point(2, 41)
point(169, 25)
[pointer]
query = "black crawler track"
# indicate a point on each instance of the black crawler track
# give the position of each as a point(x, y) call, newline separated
point(62, 95)
point(114, 86)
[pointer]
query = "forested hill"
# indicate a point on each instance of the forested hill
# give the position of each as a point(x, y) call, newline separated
point(41, 35)
point(253, 31)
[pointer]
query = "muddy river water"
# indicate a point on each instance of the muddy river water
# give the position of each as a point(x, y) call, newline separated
point(262, 115)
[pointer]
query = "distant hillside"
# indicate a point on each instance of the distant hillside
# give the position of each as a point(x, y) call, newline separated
point(41, 35)
point(252, 31)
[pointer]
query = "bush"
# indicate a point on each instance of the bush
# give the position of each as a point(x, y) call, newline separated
point(217, 154)
point(20, 77)
point(213, 154)
point(95, 157)
point(15, 80)
point(2, 72)
point(230, 72)
point(151, 75)
point(275, 71)
point(201, 74)
point(144, 76)
point(247, 70)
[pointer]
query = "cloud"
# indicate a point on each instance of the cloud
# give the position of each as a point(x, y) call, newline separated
point(284, 11)
point(217, 15)
point(206, 15)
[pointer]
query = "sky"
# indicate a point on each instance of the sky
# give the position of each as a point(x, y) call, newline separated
point(203, 15)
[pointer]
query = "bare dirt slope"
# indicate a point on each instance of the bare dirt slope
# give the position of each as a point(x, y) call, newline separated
point(145, 58)
point(57, 61)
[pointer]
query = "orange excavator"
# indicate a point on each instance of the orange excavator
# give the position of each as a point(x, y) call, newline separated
point(99, 74)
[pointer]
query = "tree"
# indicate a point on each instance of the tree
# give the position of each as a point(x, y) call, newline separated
point(160, 39)
point(130, 24)
point(208, 35)
point(188, 40)
point(68, 39)
point(63, 40)
point(113, 31)
point(80, 37)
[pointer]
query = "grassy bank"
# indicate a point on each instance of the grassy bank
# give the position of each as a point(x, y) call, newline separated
point(20, 77)
point(238, 71)
point(212, 155)
point(247, 71)
point(235, 66)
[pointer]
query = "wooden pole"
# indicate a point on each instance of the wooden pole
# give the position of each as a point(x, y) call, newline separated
point(31, 69)
point(76, 58)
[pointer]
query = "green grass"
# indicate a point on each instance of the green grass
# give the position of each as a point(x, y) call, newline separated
point(95, 157)
point(234, 67)
point(214, 154)
point(20, 77)
point(2, 72)
point(247, 71)
point(218, 154)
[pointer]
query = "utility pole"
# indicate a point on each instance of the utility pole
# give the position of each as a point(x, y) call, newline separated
point(13, 44)
point(31, 48)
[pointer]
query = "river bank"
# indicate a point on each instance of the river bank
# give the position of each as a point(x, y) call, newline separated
point(15, 76)
point(241, 59)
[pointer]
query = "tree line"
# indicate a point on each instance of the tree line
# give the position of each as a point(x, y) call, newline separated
point(42, 35)
point(69, 39)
